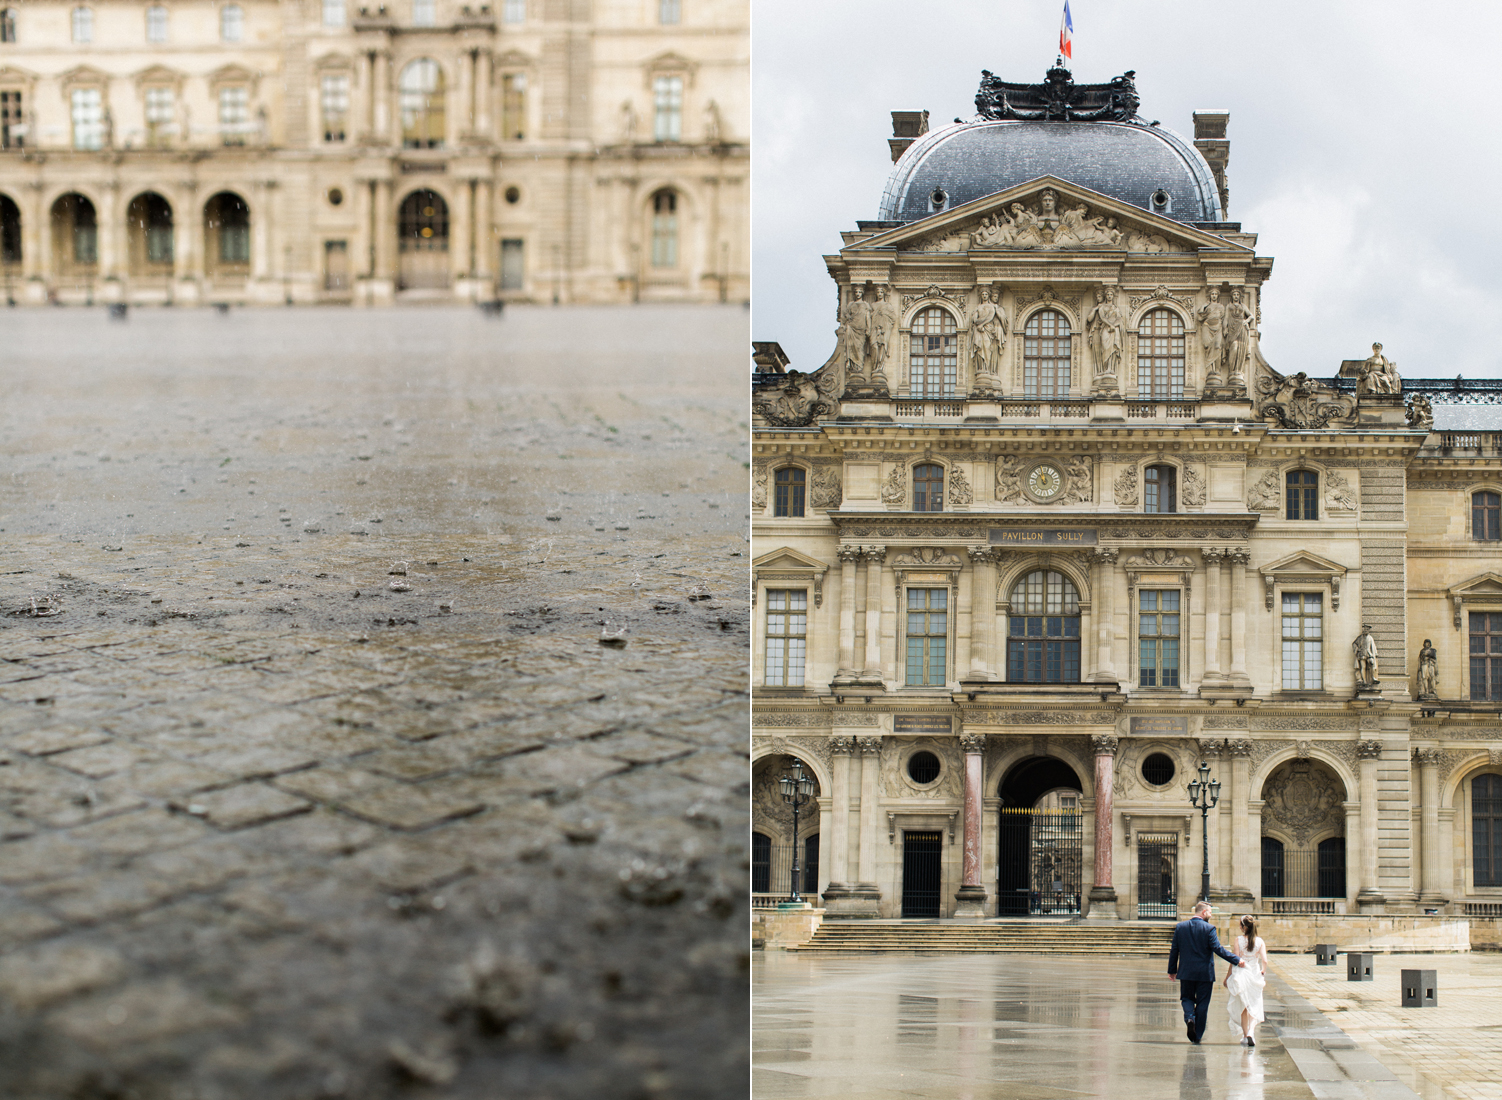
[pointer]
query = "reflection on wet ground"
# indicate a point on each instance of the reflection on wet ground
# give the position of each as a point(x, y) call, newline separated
point(999, 1027)
point(319, 782)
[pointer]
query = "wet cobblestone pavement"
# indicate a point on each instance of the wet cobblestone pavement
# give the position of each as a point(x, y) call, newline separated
point(320, 781)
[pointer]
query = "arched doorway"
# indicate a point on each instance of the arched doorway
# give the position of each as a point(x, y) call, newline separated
point(10, 234)
point(226, 235)
point(423, 241)
point(148, 222)
point(1040, 864)
point(1303, 836)
point(772, 836)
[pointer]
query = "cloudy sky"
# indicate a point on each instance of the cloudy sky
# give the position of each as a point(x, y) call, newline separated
point(1366, 149)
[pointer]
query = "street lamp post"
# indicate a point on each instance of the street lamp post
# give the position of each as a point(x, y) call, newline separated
point(797, 790)
point(1204, 793)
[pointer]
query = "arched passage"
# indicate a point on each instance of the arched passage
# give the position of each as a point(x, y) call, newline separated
point(226, 234)
point(772, 834)
point(75, 236)
point(148, 224)
point(423, 241)
point(10, 232)
point(1040, 857)
point(1303, 831)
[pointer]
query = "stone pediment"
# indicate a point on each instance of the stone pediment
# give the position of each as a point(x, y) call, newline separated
point(1045, 215)
point(1484, 590)
point(787, 558)
point(1303, 567)
point(787, 565)
point(158, 75)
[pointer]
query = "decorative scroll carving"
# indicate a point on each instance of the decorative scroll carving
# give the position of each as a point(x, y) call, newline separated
point(1103, 744)
point(1126, 487)
point(841, 744)
point(1044, 718)
point(794, 718)
point(870, 746)
point(1161, 559)
point(1058, 98)
point(933, 292)
point(1299, 402)
point(927, 557)
point(1162, 294)
point(1304, 722)
point(1225, 722)
point(1369, 750)
point(972, 743)
point(1046, 295)
point(795, 403)
point(1241, 746)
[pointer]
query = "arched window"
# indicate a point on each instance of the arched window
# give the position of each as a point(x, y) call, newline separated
point(75, 232)
point(761, 863)
point(420, 90)
point(934, 354)
point(1043, 633)
point(788, 491)
point(8, 25)
point(1303, 494)
point(665, 228)
point(83, 25)
point(1272, 867)
point(1046, 355)
point(156, 23)
point(1160, 356)
point(1486, 517)
point(1332, 867)
point(231, 22)
point(149, 224)
point(226, 223)
point(423, 241)
point(928, 487)
point(1159, 489)
point(667, 105)
point(1486, 829)
point(10, 231)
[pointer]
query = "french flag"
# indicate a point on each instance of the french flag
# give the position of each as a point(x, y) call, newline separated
point(1066, 34)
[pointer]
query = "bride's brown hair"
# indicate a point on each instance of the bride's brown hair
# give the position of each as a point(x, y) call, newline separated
point(1249, 926)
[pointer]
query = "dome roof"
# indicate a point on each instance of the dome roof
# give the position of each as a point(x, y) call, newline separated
point(1130, 161)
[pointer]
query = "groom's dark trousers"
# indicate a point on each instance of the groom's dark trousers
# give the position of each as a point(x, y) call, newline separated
point(1191, 959)
point(1195, 997)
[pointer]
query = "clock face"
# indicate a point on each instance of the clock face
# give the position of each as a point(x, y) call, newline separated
point(1045, 481)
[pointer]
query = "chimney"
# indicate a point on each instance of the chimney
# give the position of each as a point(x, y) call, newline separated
point(1210, 139)
point(768, 357)
point(907, 127)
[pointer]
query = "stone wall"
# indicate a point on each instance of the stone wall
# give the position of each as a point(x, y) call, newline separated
point(1378, 935)
point(779, 929)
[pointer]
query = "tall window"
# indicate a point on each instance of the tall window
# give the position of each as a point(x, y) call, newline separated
point(927, 633)
point(1332, 868)
point(1486, 829)
point(667, 101)
point(787, 636)
point(1303, 494)
point(669, 11)
point(761, 863)
point(333, 102)
point(513, 264)
point(513, 106)
point(665, 229)
point(1303, 641)
point(234, 114)
point(1486, 654)
point(1159, 489)
point(160, 109)
point(1272, 867)
point(1486, 517)
point(88, 118)
point(424, 13)
point(421, 93)
point(1158, 639)
point(73, 215)
point(156, 23)
point(8, 25)
point(787, 498)
point(513, 11)
point(1046, 355)
point(12, 121)
point(231, 23)
point(10, 231)
point(83, 25)
point(153, 214)
point(226, 218)
point(928, 487)
point(934, 355)
point(1043, 631)
point(333, 13)
point(1160, 356)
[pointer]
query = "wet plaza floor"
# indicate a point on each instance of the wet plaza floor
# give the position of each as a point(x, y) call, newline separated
point(1016, 1027)
point(316, 778)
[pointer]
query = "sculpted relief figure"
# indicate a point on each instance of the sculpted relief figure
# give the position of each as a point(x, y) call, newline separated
point(1379, 374)
point(894, 491)
point(1126, 487)
point(1240, 328)
point(1045, 225)
point(1364, 649)
point(1428, 671)
point(855, 327)
point(1009, 479)
point(1212, 319)
point(882, 321)
point(1104, 327)
point(995, 231)
point(1420, 414)
point(1265, 494)
point(1077, 482)
point(988, 336)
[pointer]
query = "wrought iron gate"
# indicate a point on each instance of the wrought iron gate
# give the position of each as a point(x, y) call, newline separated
point(922, 855)
point(1157, 875)
point(1041, 862)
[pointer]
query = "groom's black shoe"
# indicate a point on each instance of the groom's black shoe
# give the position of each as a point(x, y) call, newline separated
point(1189, 1030)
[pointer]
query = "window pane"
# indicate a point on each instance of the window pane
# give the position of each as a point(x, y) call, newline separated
point(667, 94)
point(333, 13)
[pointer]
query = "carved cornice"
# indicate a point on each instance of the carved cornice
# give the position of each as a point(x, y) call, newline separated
point(972, 743)
point(1103, 744)
point(1368, 750)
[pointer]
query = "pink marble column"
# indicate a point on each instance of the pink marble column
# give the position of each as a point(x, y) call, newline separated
point(1102, 893)
point(971, 898)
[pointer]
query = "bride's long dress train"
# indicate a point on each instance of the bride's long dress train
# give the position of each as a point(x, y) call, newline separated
point(1245, 986)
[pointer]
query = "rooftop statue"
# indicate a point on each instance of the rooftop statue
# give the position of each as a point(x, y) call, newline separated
point(1379, 374)
point(1058, 99)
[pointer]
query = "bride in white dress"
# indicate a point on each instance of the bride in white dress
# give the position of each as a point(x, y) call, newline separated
point(1244, 983)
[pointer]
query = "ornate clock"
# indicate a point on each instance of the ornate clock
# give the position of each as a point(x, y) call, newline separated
point(1045, 482)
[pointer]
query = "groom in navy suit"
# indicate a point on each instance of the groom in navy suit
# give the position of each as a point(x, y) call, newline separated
point(1195, 940)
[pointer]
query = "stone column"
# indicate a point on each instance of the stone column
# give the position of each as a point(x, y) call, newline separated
point(849, 555)
point(459, 230)
point(866, 894)
point(34, 262)
point(380, 93)
point(1102, 892)
point(874, 555)
point(1369, 899)
point(484, 237)
point(1220, 820)
point(840, 747)
point(108, 220)
point(383, 227)
point(260, 226)
point(365, 78)
point(1432, 872)
point(464, 125)
point(1242, 865)
point(1353, 836)
point(483, 80)
point(982, 614)
point(1239, 556)
point(1105, 613)
point(971, 898)
point(185, 229)
point(1213, 557)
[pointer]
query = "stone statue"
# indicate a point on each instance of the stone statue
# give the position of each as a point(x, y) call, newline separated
point(987, 337)
point(1428, 671)
point(1103, 325)
point(995, 231)
point(795, 404)
point(855, 326)
point(713, 125)
point(1009, 479)
point(1379, 374)
point(628, 121)
point(1240, 327)
point(1212, 319)
point(1420, 414)
point(1364, 649)
point(882, 324)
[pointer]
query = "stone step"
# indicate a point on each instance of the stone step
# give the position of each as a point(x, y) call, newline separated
point(1003, 937)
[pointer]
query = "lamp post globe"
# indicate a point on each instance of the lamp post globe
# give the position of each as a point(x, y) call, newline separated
point(797, 789)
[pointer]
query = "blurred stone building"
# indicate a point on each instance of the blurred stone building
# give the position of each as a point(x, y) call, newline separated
point(1047, 532)
point(321, 151)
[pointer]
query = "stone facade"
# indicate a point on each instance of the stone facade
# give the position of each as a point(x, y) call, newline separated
point(1085, 538)
point(303, 151)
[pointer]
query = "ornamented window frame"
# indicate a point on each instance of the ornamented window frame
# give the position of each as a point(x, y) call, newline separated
point(1139, 308)
point(1305, 572)
point(1470, 514)
point(1463, 820)
point(1009, 574)
point(924, 567)
point(904, 334)
point(1078, 388)
point(1482, 592)
point(808, 487)
point(784, 568)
